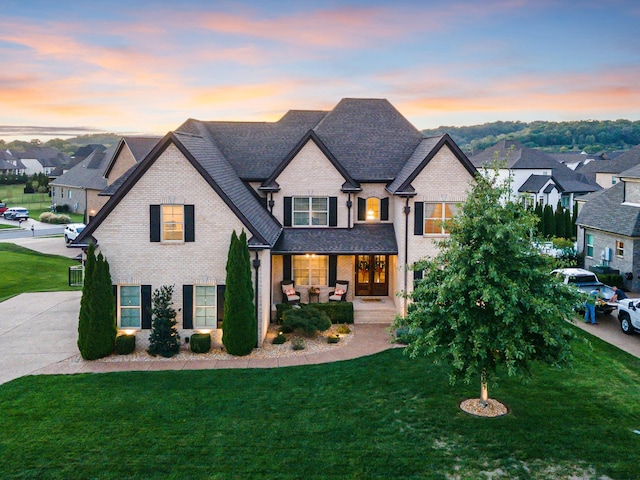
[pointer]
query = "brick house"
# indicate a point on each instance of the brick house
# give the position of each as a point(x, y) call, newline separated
point(355, 193)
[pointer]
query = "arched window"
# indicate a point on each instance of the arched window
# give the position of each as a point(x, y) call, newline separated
point(373, 209)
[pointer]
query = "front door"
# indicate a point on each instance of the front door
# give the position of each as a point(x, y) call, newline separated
point(371, 275)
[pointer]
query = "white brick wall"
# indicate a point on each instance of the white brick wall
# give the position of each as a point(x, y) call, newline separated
point(123, 236)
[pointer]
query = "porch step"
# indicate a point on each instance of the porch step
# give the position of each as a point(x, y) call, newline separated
point(374, 310)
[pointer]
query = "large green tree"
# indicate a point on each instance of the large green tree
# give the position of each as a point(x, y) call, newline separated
point(487, 298)
point(239, 333)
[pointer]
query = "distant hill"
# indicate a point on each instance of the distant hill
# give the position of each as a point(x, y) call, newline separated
point(591, 136)
point(68, 145)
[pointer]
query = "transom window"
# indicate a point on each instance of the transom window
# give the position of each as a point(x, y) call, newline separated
point(589, 248)
point(373, 209)
point(310, 269)
point(129, 309)
point(205, 306)
point(619, 248)
point(172, 223)
point(437, 217)
point(311, 211)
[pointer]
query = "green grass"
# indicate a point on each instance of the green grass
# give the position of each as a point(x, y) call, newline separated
point(383, 416)
point(25, 270)
point(36, 203)
point(8, 227)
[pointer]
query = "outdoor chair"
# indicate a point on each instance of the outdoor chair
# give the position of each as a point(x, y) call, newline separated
point(339, 293)
point(289, 292)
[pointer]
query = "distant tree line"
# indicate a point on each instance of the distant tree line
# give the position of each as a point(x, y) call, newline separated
point(591, 136)
point(67, 146)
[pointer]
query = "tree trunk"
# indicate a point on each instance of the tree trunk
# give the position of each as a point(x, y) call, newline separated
point(484, 389)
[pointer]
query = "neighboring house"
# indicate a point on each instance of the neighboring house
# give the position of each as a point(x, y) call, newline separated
point(535, 175)
point(10, 165)
point(609, 228)
point(75, 187)
point(41, 159)
point(355, 193)
point(76, 158)
point(606, 172)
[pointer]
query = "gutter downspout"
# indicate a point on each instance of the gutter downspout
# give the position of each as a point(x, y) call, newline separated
point(256, 265)
point(407, 211)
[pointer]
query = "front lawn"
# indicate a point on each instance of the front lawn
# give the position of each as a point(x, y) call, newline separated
point(23, 270)
point(36, 203)
point(383, 416)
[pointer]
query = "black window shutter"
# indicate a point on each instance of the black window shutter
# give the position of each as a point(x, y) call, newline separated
point(418, 218)
point(417, 274)
point(145, 292)
point(115, 298)
point(286, 267)
point(333, 211)
point(189, 224)
point(362, 209)
point(288, 207)
point(187, 306)
point(384, 209)
point(220, 303)
point(333, 269)
point(154, 223)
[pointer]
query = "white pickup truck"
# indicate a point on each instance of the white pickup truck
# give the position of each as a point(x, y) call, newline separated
point(586, 281)
point(629, 315)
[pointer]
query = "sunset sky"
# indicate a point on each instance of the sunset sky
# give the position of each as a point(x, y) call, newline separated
point(145, 66)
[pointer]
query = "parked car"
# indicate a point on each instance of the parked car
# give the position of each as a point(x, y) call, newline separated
point(587, 281)
point(72, 230)
point(3, 208)
point(16, 213)
point(629, 315)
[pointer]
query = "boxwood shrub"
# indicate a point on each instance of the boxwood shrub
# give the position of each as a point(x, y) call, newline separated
point(339, 312)
point(125, 344)
point(200, 342)
point(307, 320)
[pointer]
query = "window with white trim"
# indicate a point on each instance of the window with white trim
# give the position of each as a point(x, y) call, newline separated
point(172, 221)
point(204, 305)
point(589, 242)
point(129, 306)
point(619, 248)
point(70, 193)
point(437, 217)
point(310, 269)
point(311, 211)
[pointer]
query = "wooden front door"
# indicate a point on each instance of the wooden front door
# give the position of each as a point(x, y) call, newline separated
point(371, 275)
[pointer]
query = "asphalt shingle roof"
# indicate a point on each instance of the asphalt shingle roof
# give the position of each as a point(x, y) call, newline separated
point(88, 173)
point(606, 212)
point(534, 183)
point(361, 239)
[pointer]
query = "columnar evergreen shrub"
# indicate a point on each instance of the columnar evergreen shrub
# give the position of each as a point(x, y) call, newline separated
point(239, 332)
point(549, 222)
point(86, 305)
point(164, 339)
point(558, 218)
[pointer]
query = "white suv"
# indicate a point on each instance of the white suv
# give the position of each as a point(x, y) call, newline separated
point(72, 230)
point(16, 213)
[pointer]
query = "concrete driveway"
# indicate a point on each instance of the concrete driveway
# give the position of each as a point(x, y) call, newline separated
point(37, 330)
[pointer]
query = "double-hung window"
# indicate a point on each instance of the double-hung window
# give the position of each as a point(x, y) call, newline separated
point(205, 306)
point(310, 269)
point(437, 216)
point(589, 242)
point(172, 223)
point(311, 211)
point(619, 248)
point(129, 306)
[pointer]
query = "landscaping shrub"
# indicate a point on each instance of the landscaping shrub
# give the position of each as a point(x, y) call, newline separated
point(49, 217)
point(298, 344)
point(164, 339)
point(125, 344)
point(307, 320)
point(286, 329)
point(339, 312)
point(611, 279)
point(200, 342)
point(344, 329)
point(333, 339)
point(406, 335)
point(279, 339)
